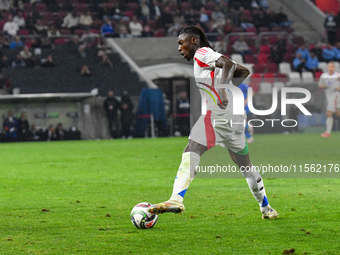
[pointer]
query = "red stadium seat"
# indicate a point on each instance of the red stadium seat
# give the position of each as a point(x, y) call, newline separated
point(298, 40)
point(276, 29)
point(252, 48)
point(23, 32)
point(238, 30)
point(2, 23)
point(272, 68)
point(129, 14)
point(59, 41)
point(272, 39)
point(133, 7)
point(40, 7)
point(185, 6)
point(282, 77)
point(61, 15)
point(291, 48)
point(255, 87)
point(264, 29)
point(288, 57)
point(65, 31)
point(232, 40)
point(256, 78)
point(264, 49)
point(269, 77)
point(262, 59)
point(260, 68)
point(210, 6)
point(250, 59)
point(317, 75)
point(251, 30)
point(80, 7)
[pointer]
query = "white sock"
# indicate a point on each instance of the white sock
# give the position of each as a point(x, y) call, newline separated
point(329, 124)
point(256, 186)
point(185, 174)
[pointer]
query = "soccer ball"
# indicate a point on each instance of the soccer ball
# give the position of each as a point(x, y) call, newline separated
point(141, 218)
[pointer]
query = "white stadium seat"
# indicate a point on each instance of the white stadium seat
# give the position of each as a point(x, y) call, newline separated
point(323, 66)
point(285, 68)
point(337, 66)
point(294, 77)
point(237, 58)
point(278, 85)
point(307, 77)
point(250, 68)
point(266, 88)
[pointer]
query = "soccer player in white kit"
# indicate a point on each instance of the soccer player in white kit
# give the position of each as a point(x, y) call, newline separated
point(330, 82)
point(210, 69)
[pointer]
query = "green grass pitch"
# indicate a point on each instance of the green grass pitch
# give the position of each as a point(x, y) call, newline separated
point(76, 198)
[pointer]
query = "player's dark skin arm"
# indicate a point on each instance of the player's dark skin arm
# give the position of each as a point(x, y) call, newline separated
point(237, 77)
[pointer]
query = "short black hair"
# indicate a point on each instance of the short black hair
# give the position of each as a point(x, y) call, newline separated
point(194, 30)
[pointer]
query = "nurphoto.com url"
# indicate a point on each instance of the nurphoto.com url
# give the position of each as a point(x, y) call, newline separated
point(292, 168)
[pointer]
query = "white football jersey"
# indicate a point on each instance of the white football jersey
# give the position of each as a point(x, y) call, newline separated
point(207, 75)
point(332, 82)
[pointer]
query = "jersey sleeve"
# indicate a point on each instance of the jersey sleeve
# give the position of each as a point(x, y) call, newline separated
point(206, 57)
point(322, 79)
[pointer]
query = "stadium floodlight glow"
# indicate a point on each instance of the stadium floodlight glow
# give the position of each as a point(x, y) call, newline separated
point(238, 100)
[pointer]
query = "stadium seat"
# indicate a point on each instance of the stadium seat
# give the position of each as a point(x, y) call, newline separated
point(252, 48)
point(185, 6)
point(260, 68)
point(238, 30)
point(265, 88)
point(272, 39)
point(256, 78)
point(80, 7)
point(264, 29)
point(294, 77)
point(232, 40)
point(281, 77)
point(276, 29)
point(133, 7)
point(337, 66)
point(59, 41)
point(129, 14)
point(323, 66)
point(285, 68)
point(40, 7)
point(291, 48)
point(272, 68)
point(262, 59)
point(279, 85)
point(237, 58)
point(269, 77)
point(65, 31)
point(288, 57)
point(289, 30)
point(307, 77)
point(264, 49)
point(250, 59)
point(317, 75)
point(210, 6)
point(298, 40)
point(251, 30)
point(23, 32)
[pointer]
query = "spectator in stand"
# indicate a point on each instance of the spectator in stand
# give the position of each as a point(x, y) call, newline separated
point(60, 132)
point(106, 61)
point(111, 106)
point(47, 62)
point(85, 71)
point(233, 15)
point(281, 19)
point(218, 15)
point(191, 17)
point(144, 10)
point(167, 18)
point(107, 29)
point(281, 43)
point(330, 26)
point(328, 53)
point(312, 63)
point(19, 19)
point(4, 43)
point(337, 51)
point(241, 47)
point(52, 31)
point(10, 27)
point(122, 29)
point(10, 126)
point(30, 20)
point(5, 5)
point(116, 12)
point(136, 28)
point(263, 4)
point(254, 4)
point(204, 18)
point(39, 28)
point(18, 62)
point(304, 51)
point(177, 25)
point(45, 42)
point(260, 19)
point(126, 115)
point(5, 85)
point(25, 53)
point(183, 113)
point(229, 26)
point(147, 32)
point(4, 63)
point(276, 54)
point(106, 11)
point(51, 133)
point(71, 21)
point(23, 128)
point(86, 20)
point(33, 62)
point(155, 10)
point(244, 21)
point(16, 43)
point(103, 50)
point(317, 49)
point(299, 62)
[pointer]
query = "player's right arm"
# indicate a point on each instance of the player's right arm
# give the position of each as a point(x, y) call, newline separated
point(322, 83)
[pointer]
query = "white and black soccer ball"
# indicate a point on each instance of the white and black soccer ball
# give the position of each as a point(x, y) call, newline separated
point(141, 218)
